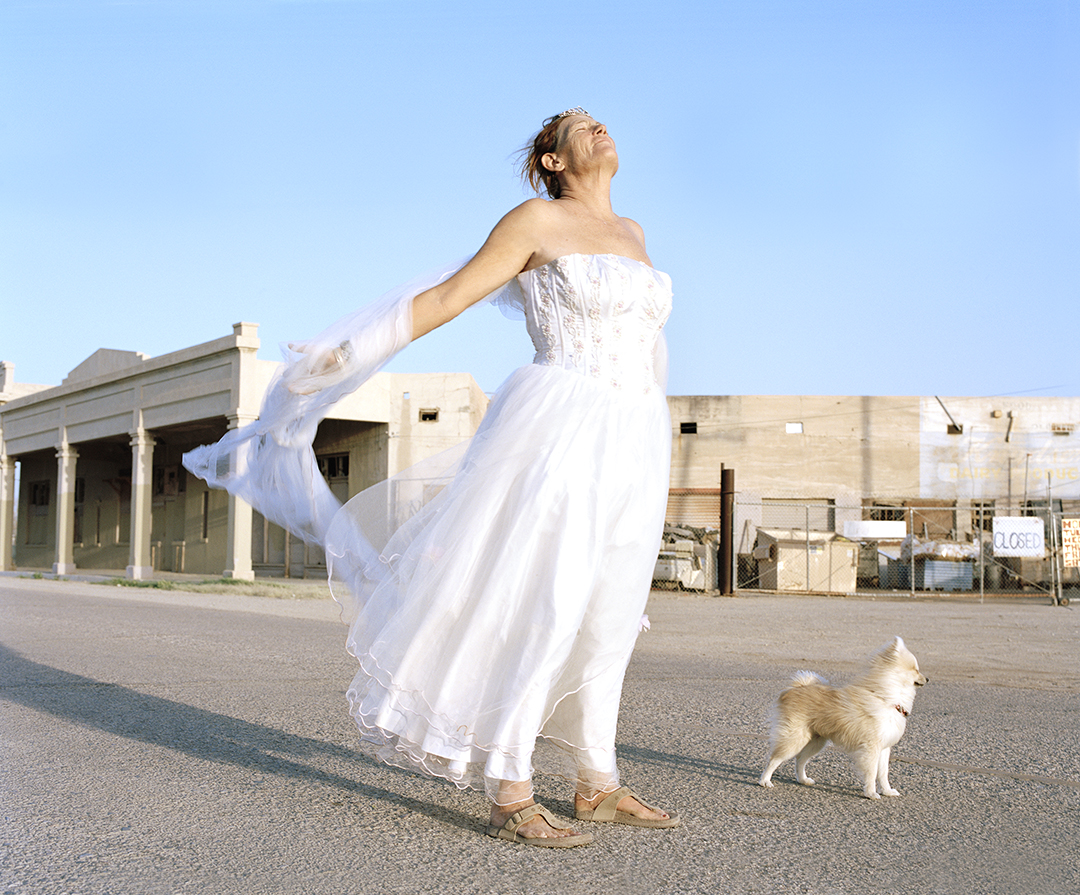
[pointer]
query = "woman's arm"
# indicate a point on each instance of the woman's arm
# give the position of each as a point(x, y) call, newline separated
point(504, 254)
point(329, 359)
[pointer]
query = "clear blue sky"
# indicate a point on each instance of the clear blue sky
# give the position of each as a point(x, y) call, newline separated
point(851, 196)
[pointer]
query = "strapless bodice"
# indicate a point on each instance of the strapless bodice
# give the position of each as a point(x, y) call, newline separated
point(598, 315)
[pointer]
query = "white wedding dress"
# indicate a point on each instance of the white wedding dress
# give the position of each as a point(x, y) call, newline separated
point(494, 593)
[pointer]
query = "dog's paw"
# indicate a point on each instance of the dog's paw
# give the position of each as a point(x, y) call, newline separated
point(768, 784)
point(871, 795)
point(890, 792)
point(807, 781)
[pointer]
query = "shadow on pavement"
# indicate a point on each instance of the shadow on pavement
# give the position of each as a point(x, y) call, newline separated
point(709, 769)
point(202, 734)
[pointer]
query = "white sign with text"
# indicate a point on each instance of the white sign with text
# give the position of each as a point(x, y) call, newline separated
point(1018, 536)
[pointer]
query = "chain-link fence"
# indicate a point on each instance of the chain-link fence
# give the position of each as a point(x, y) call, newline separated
point(982, 548)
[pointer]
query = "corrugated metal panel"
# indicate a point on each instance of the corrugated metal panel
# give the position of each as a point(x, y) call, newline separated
point(699, 507)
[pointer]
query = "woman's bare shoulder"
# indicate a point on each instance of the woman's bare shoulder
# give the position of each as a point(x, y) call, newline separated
point(531, 221)
point(531, 211)
point(635, 228)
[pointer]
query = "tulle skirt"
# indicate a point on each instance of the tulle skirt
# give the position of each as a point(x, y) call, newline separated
point(495, 592)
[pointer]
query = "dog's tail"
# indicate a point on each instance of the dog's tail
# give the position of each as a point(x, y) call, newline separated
point(805, 678)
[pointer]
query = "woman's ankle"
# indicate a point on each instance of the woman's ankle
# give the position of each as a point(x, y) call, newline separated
point(593, 796)
point(505, 811)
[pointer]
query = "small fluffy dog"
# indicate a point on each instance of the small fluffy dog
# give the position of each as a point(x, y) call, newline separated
point(865, 719)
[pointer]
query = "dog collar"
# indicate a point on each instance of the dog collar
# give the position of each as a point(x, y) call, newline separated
point(903, 711)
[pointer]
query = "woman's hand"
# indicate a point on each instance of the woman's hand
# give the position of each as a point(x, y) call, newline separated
point(316, 371)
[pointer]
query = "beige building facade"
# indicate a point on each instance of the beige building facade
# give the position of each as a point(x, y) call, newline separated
point(101, 485)
point(100, 480)
point(816, 462)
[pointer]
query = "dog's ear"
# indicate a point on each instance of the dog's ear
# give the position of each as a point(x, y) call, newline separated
point(890, 650)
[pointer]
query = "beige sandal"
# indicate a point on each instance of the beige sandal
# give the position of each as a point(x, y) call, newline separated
point(509, 832)
point(608, 812)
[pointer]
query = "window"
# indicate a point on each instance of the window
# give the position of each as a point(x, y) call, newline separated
point(123, 516)
point(793, 428)
point(334, 466)
point(37, 522)
point(688, 428)
point(165, 481)
point(880, 512)
point(335, 469)
point(205, 515)
point(982, 515)
point(39, 494)
point(429, 416)
point(80, 498)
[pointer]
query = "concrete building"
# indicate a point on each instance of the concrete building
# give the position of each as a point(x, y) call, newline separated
point(101, 483)
point(816, 462)
point(102, 486)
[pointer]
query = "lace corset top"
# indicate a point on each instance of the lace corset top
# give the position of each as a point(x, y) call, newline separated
point(599, 315)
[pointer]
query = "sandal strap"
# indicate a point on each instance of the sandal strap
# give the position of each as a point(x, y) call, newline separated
point(528, 813)
point(605, 811)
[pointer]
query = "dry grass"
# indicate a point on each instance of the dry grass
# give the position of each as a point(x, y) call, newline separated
point(276, 590)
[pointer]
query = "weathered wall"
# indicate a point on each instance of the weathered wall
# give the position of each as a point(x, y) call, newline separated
point(798, 446)
point(879, 447)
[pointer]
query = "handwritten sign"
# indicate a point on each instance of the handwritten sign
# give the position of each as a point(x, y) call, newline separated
point(1070, 542)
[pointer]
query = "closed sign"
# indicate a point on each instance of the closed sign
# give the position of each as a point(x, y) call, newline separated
point(1018, 536)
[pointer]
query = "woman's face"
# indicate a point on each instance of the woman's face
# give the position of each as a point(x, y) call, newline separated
point(582, 141)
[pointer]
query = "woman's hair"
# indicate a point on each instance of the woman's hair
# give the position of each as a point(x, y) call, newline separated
point(531, 168)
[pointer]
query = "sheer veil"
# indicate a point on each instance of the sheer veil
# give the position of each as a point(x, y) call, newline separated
point(270, 463)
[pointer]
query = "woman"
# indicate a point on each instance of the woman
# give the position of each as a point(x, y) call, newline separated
point(494, 617)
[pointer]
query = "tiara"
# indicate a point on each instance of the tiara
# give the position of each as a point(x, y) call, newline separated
point(577, 110)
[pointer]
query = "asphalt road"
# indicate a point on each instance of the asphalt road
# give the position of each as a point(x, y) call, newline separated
point(162, 742)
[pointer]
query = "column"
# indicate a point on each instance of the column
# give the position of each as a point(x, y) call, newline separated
point(142, 474)
point(7, 511)
point(238, 531)
point(66, 456)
